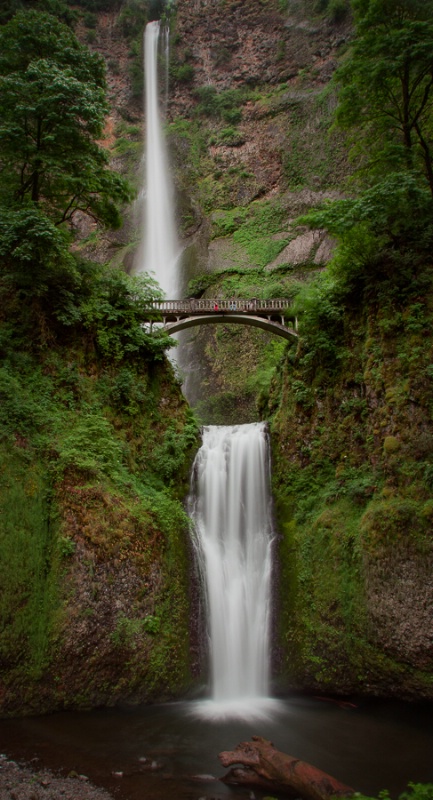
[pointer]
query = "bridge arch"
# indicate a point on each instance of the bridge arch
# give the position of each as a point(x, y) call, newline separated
point(237, 319)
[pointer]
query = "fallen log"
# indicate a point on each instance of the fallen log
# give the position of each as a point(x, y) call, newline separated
point(265, 766)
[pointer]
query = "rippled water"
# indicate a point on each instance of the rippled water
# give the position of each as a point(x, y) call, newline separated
point(371, 746)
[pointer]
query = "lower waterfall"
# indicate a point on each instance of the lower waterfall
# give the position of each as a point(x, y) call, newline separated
point(230, 509)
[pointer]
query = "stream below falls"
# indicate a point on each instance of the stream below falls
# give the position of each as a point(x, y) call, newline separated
point(370, 745)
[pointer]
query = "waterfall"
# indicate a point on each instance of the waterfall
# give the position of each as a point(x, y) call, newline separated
point(230, 509)
point(160, 252)
point(231, 505)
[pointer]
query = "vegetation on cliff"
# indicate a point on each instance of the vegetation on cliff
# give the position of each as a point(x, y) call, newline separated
point(95, 436)
point(352, 412)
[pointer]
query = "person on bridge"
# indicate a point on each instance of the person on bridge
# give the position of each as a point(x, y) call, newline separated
point(215, 306)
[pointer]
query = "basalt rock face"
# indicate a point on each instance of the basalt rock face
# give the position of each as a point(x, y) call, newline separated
point(282, 60)
point(243, 42)
point(247, 121)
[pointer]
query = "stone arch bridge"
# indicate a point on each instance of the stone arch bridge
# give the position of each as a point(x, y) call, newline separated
point(267, 314)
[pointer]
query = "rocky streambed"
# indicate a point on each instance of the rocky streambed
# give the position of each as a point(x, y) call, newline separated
point(27, 782)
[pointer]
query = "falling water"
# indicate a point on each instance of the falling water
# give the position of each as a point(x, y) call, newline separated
point(232, 520)
point(166, 51)
point(231, 510)
point(160, 253)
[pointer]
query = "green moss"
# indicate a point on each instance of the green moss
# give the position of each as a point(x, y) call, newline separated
point(391, 445)
point(386, 524)
point(30, 562)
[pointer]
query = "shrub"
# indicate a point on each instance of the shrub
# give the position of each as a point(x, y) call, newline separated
point(183, 73)
point(90, 447)
point(415, 791)
point(220, 105)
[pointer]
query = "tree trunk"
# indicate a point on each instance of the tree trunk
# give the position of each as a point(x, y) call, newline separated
point(264, 766)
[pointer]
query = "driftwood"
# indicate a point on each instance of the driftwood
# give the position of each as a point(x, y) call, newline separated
point(264, 766)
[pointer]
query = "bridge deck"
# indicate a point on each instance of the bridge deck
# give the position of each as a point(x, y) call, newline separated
point(204, 305)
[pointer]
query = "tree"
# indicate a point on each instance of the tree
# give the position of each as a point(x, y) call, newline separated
point(387, 85)
point(58, 8)
point(52, 111)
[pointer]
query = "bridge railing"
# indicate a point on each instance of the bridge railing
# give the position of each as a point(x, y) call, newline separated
point(217, 304)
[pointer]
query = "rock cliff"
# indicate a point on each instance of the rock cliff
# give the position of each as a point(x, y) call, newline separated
point(253, 149)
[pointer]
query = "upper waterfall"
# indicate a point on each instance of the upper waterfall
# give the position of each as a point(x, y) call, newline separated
point(160, 251)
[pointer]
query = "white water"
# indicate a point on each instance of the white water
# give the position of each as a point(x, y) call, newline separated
point(159, 254)
point(231, 515)
point(232, 507)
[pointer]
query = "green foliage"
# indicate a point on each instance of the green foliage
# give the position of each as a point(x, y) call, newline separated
point(230, 137)
point(133, 16)
point(126, 393)
point(70, 430)
point(223, 105)
point(168, 458)
point(317, 305)
point(187, 142)
point(252, 227)
point(324, 614)
point(386, 523)
point(136, 66)
point(260, 378)
point(35, 258)
point(219, 408)
point(198, 285)
point(90, 19)
point(28, 570)
point(384, 234)
point(66, 547)
point(352, 402)
point(96, 5)
point(114, 313)
point(264, 219)
point(128, 632)
point(244, 282)
point(55, 289)
point(386, 89)
point(227, 222)
point(21, 411)
point(52, 109)
point(57, 8)
point(415, 791)
point(83, 401)
point(151, 624)
point(90, 447)
point(335, 10)
point(389, 208)
point(182, 73)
